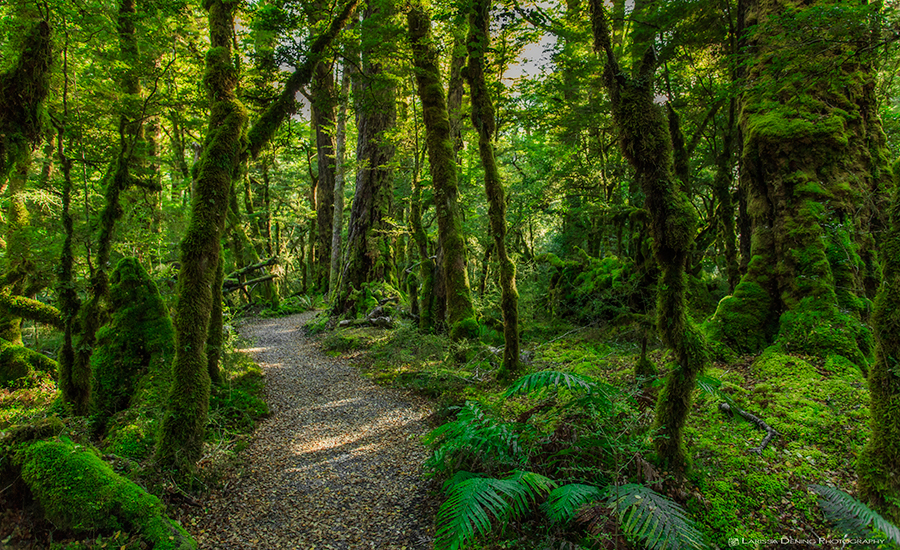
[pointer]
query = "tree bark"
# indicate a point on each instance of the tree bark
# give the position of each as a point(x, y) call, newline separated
point(337, 222)
point(369, 251)
point(184, 426)
point(460, 311)
point(323, 116)
point(483, 121)
point(814, 169)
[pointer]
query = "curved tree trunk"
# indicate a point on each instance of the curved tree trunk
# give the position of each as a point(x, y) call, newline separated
point(483, 120)
point(646, 143)
point(184, 426)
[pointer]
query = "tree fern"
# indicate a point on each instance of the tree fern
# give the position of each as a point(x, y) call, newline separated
point(851, 516)
point(564, 502)
point(474, 502)
point(657, 521)
point(475, 431)
point(549, 379)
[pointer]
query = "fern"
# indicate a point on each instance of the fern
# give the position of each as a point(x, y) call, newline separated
point(476, 432)
point(549, 379)
point(851, 516)
point(653, 518)
point(474, 502)
point(564, 502)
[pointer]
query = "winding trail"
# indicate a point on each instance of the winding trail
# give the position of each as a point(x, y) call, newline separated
point(336, 466)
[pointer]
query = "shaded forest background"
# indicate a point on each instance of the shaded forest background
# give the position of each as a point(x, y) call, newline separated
point(705, 188)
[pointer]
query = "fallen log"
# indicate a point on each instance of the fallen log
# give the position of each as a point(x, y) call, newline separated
point(230, 285)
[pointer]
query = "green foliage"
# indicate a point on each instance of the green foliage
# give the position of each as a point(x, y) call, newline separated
point(476, 438)
point(563, 503)
point(473, 502)
point(549, 379)
point(78, 491)
point(657, 521)
point(20, 363)
point(293, 305)
point(137, 340)
point(588, 290)
point(852, 517)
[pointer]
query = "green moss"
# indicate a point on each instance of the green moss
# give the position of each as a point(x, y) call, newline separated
point(139, 338)
point(80, 492)
point(824, 332)
point(19, 362)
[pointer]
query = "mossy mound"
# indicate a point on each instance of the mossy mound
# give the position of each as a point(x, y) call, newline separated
point(81, 493)
point(137, 343)
point(19, 362)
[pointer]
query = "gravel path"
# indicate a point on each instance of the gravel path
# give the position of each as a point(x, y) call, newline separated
point(336, 466)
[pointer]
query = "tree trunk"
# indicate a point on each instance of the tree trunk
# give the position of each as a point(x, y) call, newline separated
point(483, 121)
point(813, 167)
point(368, 247)
point(23, 89)
point(879, 463)
point(460, 312)
point(337, 222)
point(184, 426)
point(323, 117)
point(646, 144)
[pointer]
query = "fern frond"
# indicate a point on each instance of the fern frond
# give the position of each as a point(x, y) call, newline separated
point(653, 518)
point(549, 379)
point(564, 502)
point(474, 502)
point(850, 515)
point(476, 431)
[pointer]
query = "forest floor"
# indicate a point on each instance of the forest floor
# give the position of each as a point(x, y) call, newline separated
point(337, 465)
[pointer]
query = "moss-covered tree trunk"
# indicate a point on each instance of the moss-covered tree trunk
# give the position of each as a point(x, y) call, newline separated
point(442, 158)
point(323, 117)
point(369, 250)
point(337, 219)
point(23, 89)
point(646, 143)
point(879, 463)
point(122, 173)
point(816, 177)
point(184, 425)
point(483, 120)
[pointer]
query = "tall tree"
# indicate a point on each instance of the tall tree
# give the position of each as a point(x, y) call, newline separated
point(879, 463)
point(442, 158)
point(322, 107)
point(814, 168)
point(337, 222)
point(369, 250)
point(23, 89)
point(184, 425)
point(646, 143)
point(483, 120)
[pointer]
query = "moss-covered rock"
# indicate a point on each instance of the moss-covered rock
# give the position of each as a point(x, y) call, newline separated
point(81, 493)
point(18, 362)
point(137, 342)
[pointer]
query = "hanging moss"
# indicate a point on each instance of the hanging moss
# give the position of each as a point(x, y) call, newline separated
point(138, 339)
point(80, 492)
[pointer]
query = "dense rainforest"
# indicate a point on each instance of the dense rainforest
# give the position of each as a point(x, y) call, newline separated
point(642, 257)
